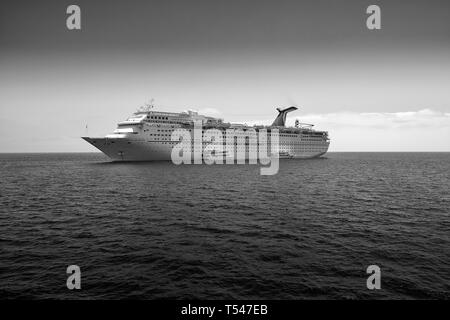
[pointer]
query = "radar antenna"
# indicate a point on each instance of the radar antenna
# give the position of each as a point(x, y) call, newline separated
point(147, 106)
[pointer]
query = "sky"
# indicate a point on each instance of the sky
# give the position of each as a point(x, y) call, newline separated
point(373, 90)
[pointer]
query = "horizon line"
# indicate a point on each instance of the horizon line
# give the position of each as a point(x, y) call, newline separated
point(99, 152)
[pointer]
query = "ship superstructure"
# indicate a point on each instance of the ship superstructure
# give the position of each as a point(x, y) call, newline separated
point(146, 135)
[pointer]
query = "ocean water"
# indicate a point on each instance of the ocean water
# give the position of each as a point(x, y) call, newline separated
point(157, 230)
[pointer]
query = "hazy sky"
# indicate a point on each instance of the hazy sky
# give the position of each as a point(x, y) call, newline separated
point(383, 90)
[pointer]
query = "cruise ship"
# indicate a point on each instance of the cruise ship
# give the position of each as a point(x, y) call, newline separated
point(147, 136)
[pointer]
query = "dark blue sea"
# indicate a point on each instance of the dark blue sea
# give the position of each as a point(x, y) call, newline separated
point(157, 230)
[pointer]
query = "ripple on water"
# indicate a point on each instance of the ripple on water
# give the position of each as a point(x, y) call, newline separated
point(155, 230)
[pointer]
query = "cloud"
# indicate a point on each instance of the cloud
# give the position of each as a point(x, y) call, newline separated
point(422, 130)
point(381, 120)
point(210, 112)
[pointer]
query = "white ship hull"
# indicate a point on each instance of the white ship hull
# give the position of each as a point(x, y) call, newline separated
point(123, 149)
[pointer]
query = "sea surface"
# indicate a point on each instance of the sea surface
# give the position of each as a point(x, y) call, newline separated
point(157, 230)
